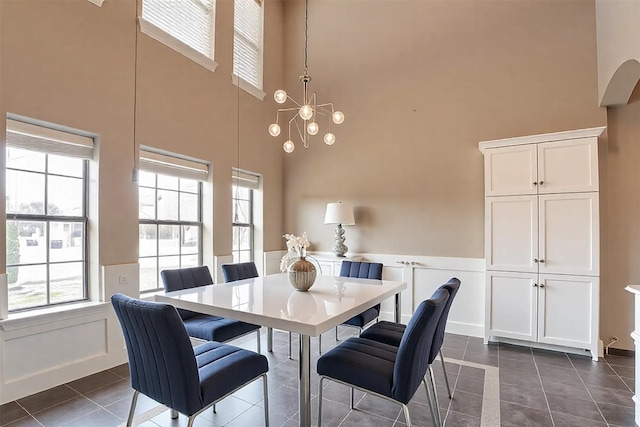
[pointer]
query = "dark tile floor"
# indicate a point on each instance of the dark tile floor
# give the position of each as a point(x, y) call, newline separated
point(536, 388)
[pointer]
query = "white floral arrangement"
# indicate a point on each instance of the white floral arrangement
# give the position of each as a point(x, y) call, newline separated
point(297, 248)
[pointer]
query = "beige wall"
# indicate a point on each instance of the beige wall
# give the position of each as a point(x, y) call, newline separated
point(73, 63)
point(621, 248)
point(421, 82)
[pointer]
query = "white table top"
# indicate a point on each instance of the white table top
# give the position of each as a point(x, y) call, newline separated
point(272, 301)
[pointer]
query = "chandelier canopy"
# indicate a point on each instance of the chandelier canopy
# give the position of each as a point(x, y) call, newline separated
point(306, 113)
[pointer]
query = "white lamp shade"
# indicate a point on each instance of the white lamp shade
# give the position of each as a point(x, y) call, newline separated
point(339, 213)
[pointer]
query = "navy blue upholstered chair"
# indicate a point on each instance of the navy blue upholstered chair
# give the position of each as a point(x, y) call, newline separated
point(204, 326)
point(164, 366)
point(391, 333)
point(239, 271)
point(361, 270)
point(393, 373)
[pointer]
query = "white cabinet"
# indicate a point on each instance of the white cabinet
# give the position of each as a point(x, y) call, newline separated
point(542, 239)
point(542, 168)
point(544, 308)
point(554, 233)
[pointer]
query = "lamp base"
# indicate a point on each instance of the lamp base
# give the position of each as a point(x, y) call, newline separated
point(340, 249)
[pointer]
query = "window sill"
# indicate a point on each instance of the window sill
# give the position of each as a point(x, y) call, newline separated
point(46, 315)
point(248, 87)
point(168, 40)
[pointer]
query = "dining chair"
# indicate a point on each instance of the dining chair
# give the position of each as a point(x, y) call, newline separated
point(361, 270)
point(164, 366)
point(204, 326)
point(391, 333)
point(247, 270)
point(392, 373)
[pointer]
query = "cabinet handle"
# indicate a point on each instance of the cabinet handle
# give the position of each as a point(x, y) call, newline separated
point(413, 263)
point(400, 262)
point(535, 260)
point(535, 285)
point(535, 183)
point(541, 182)
point(541, 285)
point(542, 261)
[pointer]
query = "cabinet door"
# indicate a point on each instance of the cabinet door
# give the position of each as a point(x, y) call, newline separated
point(510, 170)
point(569, 234)
point(568, 166)
point(568, 311)
point(511, 305)
point(511, 240)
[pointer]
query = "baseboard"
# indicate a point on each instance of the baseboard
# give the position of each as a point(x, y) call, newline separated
point(621, 352)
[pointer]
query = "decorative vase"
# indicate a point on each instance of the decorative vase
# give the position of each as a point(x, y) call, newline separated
point(302, 274)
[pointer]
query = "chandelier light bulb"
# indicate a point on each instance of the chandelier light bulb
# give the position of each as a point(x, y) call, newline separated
point(313, 128)
point(306, 112)
point(274, 129)
point(280, 96)
point(288, 146)
point(338, 117)
point(329, 138)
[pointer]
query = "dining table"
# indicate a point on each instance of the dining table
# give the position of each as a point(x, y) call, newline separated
point(271, 301)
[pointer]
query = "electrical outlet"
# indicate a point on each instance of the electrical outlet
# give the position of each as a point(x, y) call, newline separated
point(122, 280)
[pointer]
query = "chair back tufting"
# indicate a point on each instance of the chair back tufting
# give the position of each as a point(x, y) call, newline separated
point(162, 364)
point(239, 271)
point(411, 364)
point(452, 286)
point(361, 270)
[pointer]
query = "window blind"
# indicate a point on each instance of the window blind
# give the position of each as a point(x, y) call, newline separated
point(163, 164)
point(245, 179)
point(190, 21)
point(248, 40)
point(34, 137)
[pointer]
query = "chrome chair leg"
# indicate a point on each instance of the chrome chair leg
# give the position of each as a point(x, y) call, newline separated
point(407, 418)
point(132, 409)
point(336, 333)
point(258, 340)
point(266, 399)
point(432, 380)
point(270, 340)
point(446, 377)
point(430, 402)
point(174, 414)
point(352, 399)
point(320, 344)
point(214, 408)
point(289, 345)
point(320, 401)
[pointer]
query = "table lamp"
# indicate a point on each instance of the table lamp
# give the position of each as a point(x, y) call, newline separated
point(340, 214)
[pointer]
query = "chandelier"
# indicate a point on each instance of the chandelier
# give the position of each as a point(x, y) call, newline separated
point(307, 113)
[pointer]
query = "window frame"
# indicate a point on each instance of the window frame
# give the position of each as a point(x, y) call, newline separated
point(169, 40)
point(160, 222)
point(249, 87)
point(248, 225)
point(48, 219)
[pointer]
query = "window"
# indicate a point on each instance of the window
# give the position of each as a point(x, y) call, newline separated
point(186, 26)
point(243, 227)
point(170, 197)
point(46, 211)
point(248, 21)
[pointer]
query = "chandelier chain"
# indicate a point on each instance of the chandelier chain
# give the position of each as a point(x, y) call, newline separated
point(306, 35)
